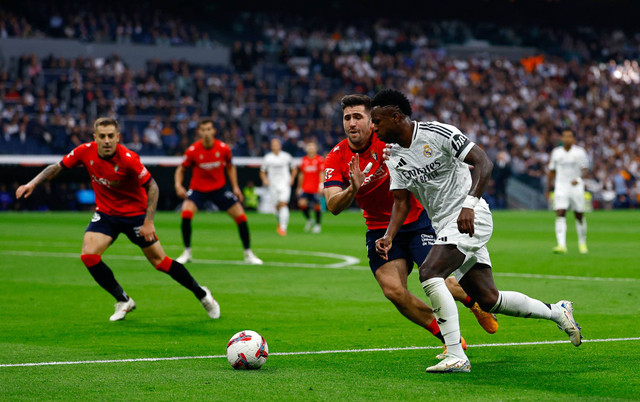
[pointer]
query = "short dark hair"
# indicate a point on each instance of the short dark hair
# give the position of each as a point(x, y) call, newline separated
point(106, 121)
point(391, 97)
point(356, 100)
point(204, 121)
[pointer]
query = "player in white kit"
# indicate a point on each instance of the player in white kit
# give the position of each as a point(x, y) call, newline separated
point(567, 167)
point(277, 173)
point(430, 160)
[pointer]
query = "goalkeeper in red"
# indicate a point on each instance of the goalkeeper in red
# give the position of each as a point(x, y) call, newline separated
point(355, 170)
point(126, 200)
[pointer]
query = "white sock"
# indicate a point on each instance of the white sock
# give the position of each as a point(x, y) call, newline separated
point(581, 228)
point(561, 231)
point(520, 305)
point(283, 217)
point(446, 312)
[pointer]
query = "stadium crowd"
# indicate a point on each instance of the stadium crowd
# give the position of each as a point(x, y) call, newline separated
point(288, 81)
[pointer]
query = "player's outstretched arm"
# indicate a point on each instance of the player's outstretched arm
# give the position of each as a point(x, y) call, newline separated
point(178, 179)
point(399, 213)
point(148, 230)
point(480, 176)
point(47, 173)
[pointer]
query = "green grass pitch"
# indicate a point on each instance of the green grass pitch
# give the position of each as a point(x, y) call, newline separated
point(311, 295)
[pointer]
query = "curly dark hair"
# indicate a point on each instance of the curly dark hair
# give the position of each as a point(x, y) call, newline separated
point(391, 97)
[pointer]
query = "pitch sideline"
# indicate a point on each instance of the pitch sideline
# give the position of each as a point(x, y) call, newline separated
point(319, 352)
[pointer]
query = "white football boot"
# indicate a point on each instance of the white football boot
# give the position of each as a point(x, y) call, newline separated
point(185, 257)
point(210, 304)
point(251, 258)
point(308, 225)
point(568, 324)
point(451, 364)
point(122, 308)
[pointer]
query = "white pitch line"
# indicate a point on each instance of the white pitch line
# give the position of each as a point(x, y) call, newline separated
point(346, 260)
point(346, 263)
point(319, 352)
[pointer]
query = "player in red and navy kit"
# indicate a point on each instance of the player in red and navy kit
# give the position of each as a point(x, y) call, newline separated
point(126, 200)
point(209, 159)
point(355, 170)
point(310, 181)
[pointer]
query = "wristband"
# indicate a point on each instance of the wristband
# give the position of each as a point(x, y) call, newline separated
point(470, 202)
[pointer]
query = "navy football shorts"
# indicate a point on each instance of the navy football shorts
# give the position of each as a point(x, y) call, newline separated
point(312, 198)
point(412, 243)
point(114, 225)
point(222, 197)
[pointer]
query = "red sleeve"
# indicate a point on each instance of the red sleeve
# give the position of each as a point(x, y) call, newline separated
point(74, 158)
point(228, 154)
point(187, 160)
point(332, 173)
point(138, 168)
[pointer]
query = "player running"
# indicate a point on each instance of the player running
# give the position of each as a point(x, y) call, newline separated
point(429, 162)
point(210, 158)
point(126, 199)
point(310, 181)
point(354, 170)
point(567, 167)
point(277, 173)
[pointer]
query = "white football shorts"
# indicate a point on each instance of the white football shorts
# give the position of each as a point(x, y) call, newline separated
point(474, 248)
point(280, 193)
point(570, 198)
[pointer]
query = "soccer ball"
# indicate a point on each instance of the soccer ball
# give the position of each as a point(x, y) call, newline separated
point(247, 350)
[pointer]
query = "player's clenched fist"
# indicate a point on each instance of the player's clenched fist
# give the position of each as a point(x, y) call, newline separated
point(383, 245)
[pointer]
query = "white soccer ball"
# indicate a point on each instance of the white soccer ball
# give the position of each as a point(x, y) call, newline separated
point(247, 350)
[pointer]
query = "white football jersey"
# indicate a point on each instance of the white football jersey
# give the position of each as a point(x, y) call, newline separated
point(278, 167)
point(568, 165)
point(432, 168)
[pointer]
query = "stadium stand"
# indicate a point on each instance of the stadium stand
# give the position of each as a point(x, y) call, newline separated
point(286, 82)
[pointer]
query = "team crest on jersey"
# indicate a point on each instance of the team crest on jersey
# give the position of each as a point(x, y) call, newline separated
point(91, 163)
point(328, 172)
point(217, 154)
point(374, 156)
point(116, 168)
point(427, 151)
point(201, 156)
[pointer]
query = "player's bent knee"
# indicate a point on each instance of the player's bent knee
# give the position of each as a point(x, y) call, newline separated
point(395, 294)
point(90, 260)
point(164, 265)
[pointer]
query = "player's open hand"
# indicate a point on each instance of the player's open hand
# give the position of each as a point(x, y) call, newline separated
point(24, 190)
point(383, 245)
point(355, 174)
point(148, 231)
point(465, 221)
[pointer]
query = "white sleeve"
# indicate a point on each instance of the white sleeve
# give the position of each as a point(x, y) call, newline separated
point(398, 182)
point(584, 160)
point(457, 144)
